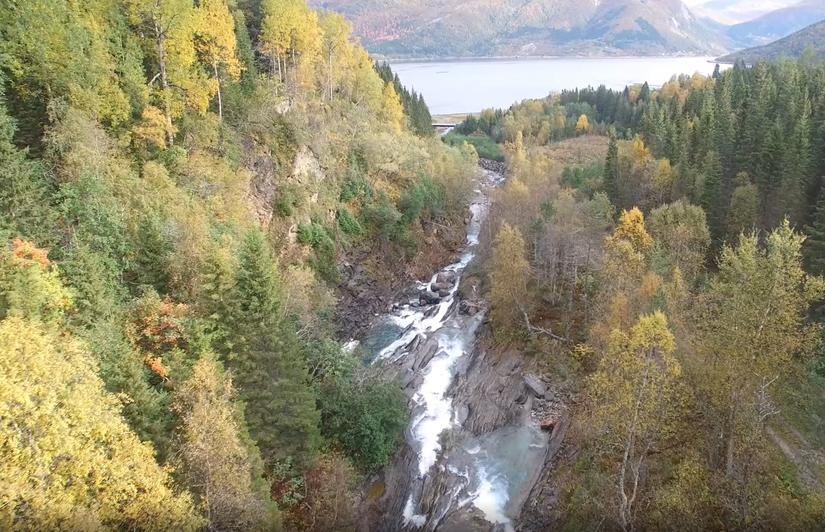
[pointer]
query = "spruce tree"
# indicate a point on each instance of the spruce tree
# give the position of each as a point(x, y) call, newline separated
point(267, 361)
point(712, 199)
point(611, 171)
point(814, 248)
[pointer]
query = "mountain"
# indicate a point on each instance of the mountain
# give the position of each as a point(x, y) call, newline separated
point(477, 28)
point(792, 46)
point(777, 24)
point(732, 12)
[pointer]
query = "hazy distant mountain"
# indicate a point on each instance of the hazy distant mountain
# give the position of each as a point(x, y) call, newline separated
point(737, 11)
point(441, 28)
point(792, 46)
point(778, 24)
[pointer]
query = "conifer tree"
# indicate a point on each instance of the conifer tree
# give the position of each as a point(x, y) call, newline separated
point(712, 198)
point(814, 247)
point(267, 361)
point(611, 171)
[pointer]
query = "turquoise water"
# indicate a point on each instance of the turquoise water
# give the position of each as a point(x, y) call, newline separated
point(469, 86)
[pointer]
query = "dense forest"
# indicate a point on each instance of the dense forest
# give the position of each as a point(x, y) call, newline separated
point(658, 253)
point(179, 181)
point(198, 196)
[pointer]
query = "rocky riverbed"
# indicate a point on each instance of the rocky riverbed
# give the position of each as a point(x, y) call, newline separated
point(482, 426)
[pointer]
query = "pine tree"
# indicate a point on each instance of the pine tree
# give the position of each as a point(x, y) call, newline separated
point(26, 192)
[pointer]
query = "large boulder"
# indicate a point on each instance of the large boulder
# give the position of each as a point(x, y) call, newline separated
point(426, 297)
point(446, 277)
point(535, 385)
point(439, 287)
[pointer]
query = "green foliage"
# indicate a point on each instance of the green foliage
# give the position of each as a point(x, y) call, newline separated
point(414, 106)
point(217, 461)
point(382, 218)
point(51, 401)
point(347, 222)
point(584, 178)
point(151, 137)
point(27, 191)
point(321, 241)
point(422, 199)
point(365, 418)
point(485, 146)
point(267, 360)
point(289, 198)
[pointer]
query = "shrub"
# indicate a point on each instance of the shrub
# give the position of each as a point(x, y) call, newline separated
point(289, 198)
point(382, 217)
point(365, 418)
point(347, 222)
point(318, 238)
point(423, 197)
point(484, 145)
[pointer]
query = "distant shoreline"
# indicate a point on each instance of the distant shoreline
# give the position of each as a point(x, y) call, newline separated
point(526, 58)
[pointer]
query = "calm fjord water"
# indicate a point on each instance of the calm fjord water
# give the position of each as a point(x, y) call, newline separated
point(469, 86)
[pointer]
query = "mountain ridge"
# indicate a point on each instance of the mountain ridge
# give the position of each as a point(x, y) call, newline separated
point(777, 24)
point(479, 28)
point(791, 46)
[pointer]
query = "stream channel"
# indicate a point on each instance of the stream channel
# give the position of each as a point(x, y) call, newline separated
point(468, 462)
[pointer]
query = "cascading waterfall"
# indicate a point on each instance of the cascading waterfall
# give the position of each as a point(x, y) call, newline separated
point(484, 471)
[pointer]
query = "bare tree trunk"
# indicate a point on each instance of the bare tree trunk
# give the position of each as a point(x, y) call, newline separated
point(160, 39)
point(220, 100)
point(729, 444)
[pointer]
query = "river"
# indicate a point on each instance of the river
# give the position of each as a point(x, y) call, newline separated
point(453, 468)
point(451, 87)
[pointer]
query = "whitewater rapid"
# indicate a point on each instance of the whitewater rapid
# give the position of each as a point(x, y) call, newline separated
point(485, 471)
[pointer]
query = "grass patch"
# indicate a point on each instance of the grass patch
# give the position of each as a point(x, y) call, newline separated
point(484, 145)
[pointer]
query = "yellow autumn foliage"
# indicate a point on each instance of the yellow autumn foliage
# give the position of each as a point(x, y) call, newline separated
point(67, 458)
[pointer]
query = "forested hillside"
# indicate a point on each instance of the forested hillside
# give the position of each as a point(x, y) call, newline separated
point(659, 253)
point(180, 184)
point(807, 41)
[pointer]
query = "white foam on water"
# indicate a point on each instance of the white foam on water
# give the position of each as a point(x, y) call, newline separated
point(437, 416)
point(491, 497)
point(412, 518)
point(438, 408)
point(350, 346)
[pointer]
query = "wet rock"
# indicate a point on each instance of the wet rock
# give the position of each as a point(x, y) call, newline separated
point(443, 293)
point(430, 312)
point(426, 355)
point(414, 343)
point(461, 413)
point(438, 287)
point(535, 385)
point(467, 519)
point(427, 297)
point(425, 352)
point(468, 308)
point(446, 277)
point(405, 378)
